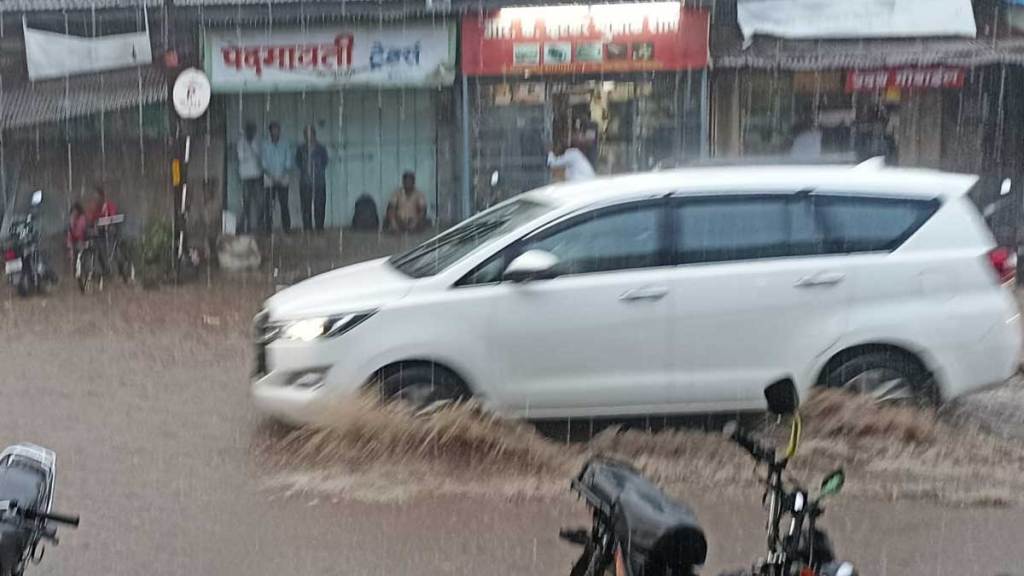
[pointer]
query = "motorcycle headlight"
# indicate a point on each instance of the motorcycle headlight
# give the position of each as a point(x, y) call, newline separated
point(323, 327)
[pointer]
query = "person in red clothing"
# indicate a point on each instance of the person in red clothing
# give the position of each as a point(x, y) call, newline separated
point(78, 226)
point(102, 207)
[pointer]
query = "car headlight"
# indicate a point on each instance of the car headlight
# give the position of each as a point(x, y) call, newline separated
point(310, 329)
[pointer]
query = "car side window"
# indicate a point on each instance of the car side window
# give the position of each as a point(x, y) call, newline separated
point(606, 240)
point(728, 228)
point(487, 273)
point(865, 224)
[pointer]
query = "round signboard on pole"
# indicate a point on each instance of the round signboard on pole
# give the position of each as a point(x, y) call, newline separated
point(191, 94)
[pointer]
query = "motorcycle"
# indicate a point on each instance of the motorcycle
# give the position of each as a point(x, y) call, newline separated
point(27, 475)
point(24, 263)
point(637, 530)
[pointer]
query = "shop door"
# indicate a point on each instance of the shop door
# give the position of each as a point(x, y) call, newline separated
point(372, 137)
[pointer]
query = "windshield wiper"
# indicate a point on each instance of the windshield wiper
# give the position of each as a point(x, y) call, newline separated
point(476, 228)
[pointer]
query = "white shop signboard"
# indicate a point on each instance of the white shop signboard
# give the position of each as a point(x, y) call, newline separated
point(326, 58)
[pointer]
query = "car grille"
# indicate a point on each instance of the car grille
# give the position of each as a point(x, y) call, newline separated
point(264, 332)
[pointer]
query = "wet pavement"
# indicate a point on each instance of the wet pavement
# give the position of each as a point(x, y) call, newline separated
point(144, 397)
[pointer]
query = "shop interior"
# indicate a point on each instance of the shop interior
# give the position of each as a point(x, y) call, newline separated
point(626, 124)
point(781, 109)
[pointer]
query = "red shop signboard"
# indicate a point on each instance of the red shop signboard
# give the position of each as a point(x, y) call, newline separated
point(603, 38)
point(904, 78)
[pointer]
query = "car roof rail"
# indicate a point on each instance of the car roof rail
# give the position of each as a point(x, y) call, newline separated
point(728, 161)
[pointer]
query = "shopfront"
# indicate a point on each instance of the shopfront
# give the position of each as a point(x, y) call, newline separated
point(842, 115)
point(623, 82)
point(378, 97)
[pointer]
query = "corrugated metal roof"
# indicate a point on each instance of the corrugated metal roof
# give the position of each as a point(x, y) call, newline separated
point(47, 5)
point(842, 54)
point(54, 100)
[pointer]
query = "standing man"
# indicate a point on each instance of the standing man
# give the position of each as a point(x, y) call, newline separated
point(277, 159)
point(407, 210)
point(311, 158)
point(250, 172)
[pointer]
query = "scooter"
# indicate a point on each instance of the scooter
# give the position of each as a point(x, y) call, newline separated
point(637, 530)
point(27, 475)
point(25, 265)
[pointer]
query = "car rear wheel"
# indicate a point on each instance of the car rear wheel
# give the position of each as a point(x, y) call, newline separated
point(888, 377)
point(421, 385)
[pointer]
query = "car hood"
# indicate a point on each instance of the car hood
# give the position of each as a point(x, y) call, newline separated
point(363, 286)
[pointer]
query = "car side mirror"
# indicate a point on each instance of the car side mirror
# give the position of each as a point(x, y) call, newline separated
point(37, 197)
point(782, 397)
point(531, 265)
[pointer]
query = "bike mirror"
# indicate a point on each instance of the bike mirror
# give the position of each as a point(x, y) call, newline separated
point(782, 397)
point(833, 483)
point(37, 197)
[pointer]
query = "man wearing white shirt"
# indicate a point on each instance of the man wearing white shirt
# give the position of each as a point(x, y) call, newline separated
point(250, 172)
point(577, 167)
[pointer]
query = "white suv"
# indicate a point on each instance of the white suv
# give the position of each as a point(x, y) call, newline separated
point(669, 292)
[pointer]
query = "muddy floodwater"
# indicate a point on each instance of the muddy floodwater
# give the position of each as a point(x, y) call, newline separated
point(143, 394)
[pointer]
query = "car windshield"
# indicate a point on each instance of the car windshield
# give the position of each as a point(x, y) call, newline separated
point(443, 250)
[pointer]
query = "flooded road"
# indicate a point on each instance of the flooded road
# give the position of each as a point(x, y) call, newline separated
point(144, 397)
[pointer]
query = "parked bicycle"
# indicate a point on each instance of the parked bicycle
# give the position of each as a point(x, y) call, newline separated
point(104, 249)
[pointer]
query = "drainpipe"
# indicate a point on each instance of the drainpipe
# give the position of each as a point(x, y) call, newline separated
point(467, 204)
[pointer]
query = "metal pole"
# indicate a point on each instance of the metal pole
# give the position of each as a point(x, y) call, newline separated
point(705, 136)
point(467, 204)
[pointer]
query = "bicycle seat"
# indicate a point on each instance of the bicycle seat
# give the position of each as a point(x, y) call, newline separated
point(642, 514)
point(110, 220)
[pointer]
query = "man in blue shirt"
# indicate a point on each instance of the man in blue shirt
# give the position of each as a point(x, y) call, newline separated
point(277, 160)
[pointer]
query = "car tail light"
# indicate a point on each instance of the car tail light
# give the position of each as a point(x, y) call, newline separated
point(10, 254)
point(1004, 262)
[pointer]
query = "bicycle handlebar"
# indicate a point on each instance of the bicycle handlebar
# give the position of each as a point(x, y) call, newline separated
point(757, 450)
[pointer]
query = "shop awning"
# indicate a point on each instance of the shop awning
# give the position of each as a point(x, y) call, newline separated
point(768, 53)
point(821, 19)
point(56, 100)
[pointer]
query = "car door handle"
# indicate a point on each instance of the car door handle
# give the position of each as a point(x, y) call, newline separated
point(649, 293)
point(820, 279)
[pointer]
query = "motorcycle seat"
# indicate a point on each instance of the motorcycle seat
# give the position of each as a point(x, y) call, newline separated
point(642, 515)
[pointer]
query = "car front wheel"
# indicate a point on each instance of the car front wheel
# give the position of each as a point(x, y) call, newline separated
point(421, 385)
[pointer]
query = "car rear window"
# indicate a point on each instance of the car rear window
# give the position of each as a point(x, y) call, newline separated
point(865, 224)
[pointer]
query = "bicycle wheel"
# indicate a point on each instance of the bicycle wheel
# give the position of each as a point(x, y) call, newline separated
point(85, 269)
point(125, 266)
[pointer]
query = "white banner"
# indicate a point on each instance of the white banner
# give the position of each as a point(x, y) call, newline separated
point(255, 61)
point(808, 19)
point(53, 55)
